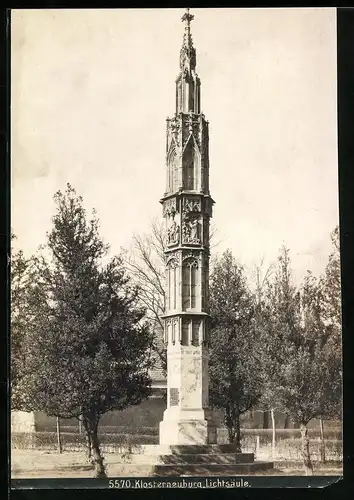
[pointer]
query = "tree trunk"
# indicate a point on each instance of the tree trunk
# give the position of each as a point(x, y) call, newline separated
point(286, 422)
point(60, 447)
point(238, 433)
point(322, 446)
point(89, 448)
point(273, 433)
point(100, 468)
point(88, 440)
point(266, 419)
point(231, 434)
point(229, 425)
point(306, 450)
point(91, 430)
point(232, 420)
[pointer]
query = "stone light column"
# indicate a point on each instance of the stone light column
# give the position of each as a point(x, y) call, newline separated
point(187, 209)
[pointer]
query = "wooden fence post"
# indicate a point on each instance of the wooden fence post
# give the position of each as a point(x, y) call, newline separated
point(257, 446)
point(60, 448)
point(322, 445)
point(273, 433)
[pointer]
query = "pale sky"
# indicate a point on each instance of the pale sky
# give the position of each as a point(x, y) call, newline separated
point(91, 90)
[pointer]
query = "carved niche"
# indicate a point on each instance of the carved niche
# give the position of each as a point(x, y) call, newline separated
point(174, 128)
point(169, 213)
point(191, 225)
point(172, 233)
point(191, 228)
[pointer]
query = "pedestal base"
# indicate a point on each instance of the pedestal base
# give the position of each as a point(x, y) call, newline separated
point(187, 428)
point(191, 460)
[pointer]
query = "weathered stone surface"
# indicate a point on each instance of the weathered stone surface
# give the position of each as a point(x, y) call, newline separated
point(208, 469)
point(194, 459)
point(206, 458)
point(183, 431)
point(187, 201)
point(22, 421)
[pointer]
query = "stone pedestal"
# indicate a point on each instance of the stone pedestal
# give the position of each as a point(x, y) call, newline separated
point(187, 427)
point(187, 419)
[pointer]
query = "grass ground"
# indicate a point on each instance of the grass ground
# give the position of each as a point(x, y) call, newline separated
point(41, 464)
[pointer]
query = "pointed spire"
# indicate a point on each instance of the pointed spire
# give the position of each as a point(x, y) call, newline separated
point(187, 54)
point(187, 82)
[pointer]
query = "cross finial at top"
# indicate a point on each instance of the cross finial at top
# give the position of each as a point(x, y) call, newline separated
point(187, 17)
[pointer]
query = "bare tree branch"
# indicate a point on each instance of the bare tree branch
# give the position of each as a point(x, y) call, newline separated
point(146, 264)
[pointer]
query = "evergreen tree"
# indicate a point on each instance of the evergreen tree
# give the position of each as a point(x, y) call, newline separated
point(300, 369)
point(235, 381)
point(21, 280)
point(330, 294)
point(90, 343)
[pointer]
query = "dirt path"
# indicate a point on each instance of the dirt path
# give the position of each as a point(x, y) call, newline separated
point(41, 464)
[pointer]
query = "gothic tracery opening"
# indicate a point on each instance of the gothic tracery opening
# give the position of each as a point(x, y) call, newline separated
point(172, 170)
point(190, 165)
point(171, 289)
point(189, 283)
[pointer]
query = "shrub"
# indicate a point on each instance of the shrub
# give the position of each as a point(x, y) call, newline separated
point(288, 443)
point(135, 430)
point(73, 441)
point(265, 435)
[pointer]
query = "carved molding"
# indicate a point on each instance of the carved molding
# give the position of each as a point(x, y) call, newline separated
point(172, 262)
point(170, 207)
point(191, 205)
point(172, 255)
point(191, 254)
point(191, 261)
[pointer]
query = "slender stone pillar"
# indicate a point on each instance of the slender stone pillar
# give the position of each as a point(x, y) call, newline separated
point(187, 209)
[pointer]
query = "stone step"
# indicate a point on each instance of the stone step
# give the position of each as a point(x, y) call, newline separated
point(206, 458)
point(207, 469)
point(186, 449)
point(198, 449)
